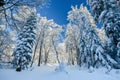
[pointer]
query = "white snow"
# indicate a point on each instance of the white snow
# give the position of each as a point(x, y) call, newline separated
point(49, 73)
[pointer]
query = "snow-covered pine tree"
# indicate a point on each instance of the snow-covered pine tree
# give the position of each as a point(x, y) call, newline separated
point(25, 42)
point(108, 12)
point(96, 60)
point(86, 37)
point(91, 41)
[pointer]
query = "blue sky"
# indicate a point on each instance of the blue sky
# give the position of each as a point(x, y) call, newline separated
point(58, 10)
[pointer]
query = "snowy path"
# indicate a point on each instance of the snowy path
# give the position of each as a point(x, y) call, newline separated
point(48, 73)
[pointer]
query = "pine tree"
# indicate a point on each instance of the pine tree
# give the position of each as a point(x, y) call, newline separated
point(85, 36)
point(25, 42)
point(94, 44)
point(108, 12)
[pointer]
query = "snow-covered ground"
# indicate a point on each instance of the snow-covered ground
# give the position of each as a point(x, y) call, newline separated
point(49, 73)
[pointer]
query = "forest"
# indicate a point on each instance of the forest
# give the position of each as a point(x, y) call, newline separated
point(32, 42)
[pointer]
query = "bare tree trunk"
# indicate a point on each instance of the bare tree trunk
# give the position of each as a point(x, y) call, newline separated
point(35, 51)
point(56, 51)
point(46, 55)
point(57, 55)
point(72, 56)
point(70, 59)
point(78, 56)
point(18, 69)
point(41, 45)
point(40, 53)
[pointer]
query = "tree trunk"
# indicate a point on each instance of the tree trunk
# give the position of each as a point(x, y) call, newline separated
point(71, 58)
point(18, 69)
point(41, 45)
point(46, 55)
point(35, 52)
point(57, 55)
point(40, 52)
point(55, 51)
point(78, 56)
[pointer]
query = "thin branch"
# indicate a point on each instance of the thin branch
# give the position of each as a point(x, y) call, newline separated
point(8, 7)
point(5, 15)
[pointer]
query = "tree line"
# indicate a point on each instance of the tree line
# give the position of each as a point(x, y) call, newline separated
point(38, 40)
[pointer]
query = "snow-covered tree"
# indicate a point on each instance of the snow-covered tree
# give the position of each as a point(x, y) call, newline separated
point(25, 42)
point(48, 34)
point(55, 37)
point(51, 35)
point(20, 18)
point(91, 40)
point(108, 13)
point(5, 44)
point(9, 7)
point(102, 36)
point(92, 44)
point(75, 17)
point(70, 43)
point(85, 39)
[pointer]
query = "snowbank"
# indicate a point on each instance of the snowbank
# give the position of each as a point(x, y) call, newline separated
point(49, 73)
